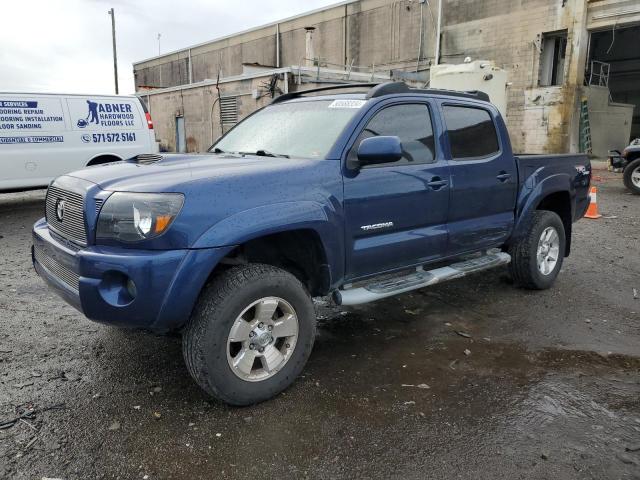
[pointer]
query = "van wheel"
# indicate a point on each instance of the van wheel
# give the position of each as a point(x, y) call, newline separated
point(250, 334)
point(631, 176)
point(537, 257)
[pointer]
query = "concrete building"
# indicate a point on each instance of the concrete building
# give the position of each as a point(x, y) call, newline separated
point(570, 63)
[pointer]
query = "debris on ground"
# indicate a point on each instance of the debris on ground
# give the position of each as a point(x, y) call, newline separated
point(29, 412)
point(114, 426)
point(635, 294)
point(627, 459)
point(22, 385)
point(157, 415)
point(463, 334)
point(467, 352)
point(31, 442)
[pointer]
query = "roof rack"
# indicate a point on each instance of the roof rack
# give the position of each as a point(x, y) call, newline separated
point(290, 95)
point(387, 88)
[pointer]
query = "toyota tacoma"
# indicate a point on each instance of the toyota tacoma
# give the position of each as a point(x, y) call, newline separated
point(357, 195)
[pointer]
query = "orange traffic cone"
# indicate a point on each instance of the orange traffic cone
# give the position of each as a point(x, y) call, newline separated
point(592, 211)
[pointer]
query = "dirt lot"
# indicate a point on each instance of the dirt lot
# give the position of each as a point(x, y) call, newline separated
point(550, 387)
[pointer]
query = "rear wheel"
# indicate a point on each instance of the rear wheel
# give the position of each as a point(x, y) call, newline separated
point(537, 257)
point(250, 334)
point(631, 176)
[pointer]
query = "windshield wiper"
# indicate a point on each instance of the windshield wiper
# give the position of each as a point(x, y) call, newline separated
point(218, 151)
point(265, 153)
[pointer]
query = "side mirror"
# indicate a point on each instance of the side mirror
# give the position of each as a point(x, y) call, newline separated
point(376, 150)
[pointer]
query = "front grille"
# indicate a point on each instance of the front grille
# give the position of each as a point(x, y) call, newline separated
point(72, 224)
point(57, 269)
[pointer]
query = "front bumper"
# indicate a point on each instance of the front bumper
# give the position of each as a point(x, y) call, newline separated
point(95, 280)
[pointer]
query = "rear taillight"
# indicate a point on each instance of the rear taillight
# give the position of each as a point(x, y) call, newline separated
point(149, 121)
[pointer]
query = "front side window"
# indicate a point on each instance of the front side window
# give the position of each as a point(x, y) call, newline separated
point(306, 129)
point(411, 123)
point(471, 131)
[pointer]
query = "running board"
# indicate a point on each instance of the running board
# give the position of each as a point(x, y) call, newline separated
point(419, 279)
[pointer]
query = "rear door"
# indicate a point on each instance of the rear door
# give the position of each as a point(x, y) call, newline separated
point(396, 213)
point(483, 179)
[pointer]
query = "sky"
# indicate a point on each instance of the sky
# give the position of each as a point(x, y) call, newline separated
point(64, 46)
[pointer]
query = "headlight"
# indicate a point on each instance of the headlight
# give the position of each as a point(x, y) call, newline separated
point(132, 217)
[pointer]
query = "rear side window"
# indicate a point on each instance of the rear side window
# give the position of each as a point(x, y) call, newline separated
point(411, 123)
point(472, 133)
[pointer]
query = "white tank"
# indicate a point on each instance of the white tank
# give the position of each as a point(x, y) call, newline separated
point(480, 75)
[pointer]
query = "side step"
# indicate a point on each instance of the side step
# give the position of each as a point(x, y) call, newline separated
point(419, 279)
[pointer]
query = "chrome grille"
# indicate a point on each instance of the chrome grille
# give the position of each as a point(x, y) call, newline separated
point(72, 224)
point(57, 269)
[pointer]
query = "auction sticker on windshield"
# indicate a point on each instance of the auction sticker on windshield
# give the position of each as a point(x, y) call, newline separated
point(347, 103)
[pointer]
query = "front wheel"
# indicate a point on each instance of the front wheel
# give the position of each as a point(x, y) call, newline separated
point(250, 334)
point(537, 257)
point(631, 176)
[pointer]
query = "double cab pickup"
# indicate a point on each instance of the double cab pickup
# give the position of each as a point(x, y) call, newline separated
point(357, 196)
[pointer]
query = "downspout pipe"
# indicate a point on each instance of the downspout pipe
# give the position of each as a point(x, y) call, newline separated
point(438, 32)
point(277, 45)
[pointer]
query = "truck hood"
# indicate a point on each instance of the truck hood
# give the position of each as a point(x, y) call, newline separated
point(174, 172)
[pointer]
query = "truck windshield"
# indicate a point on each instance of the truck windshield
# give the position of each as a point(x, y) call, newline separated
point(298, 129)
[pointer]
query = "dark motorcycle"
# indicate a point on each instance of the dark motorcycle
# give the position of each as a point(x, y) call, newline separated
point(629, 162)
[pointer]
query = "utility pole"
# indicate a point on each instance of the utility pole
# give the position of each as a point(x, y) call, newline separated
point(115, 54)
point(159, 35)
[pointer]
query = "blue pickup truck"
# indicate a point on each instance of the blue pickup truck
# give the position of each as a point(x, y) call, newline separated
point(358, 196)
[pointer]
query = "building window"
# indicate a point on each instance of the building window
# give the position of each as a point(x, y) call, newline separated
point(229, 111)
point(552, 55)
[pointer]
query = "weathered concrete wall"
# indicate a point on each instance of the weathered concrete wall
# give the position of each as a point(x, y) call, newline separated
point(201, 111)
point(381, 32)
point(509, 33)
point(386, 33)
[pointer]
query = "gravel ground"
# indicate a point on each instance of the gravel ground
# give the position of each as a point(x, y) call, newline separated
point(550, 386)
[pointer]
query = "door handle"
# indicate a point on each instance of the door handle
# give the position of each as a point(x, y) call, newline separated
point(503, 176)
point(437, 183)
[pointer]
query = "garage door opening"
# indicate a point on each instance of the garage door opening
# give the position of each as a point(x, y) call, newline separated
point(617, 48)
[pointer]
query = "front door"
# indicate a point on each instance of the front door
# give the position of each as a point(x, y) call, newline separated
point(396, 213)
point(483, 180)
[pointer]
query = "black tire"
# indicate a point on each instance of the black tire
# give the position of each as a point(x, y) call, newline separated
point(524, 266)
point(626, 176)
point(204, 340)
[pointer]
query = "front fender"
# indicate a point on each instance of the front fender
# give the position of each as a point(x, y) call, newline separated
point(281, 217)
point(534, 190)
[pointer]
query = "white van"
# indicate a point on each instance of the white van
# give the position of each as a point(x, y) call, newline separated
point(46, 135)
